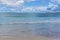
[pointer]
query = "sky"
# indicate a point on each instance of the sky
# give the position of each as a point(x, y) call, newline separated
point(29, 5)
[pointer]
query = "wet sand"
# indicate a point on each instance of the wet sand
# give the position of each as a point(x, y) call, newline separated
point(23, 38)
point(26, 38)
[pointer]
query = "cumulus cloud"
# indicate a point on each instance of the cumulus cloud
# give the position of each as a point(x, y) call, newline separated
point(34, 9)
point(27, 9)
point(18, 5)
point(12, 3)
point(52, 6)
point(42, 8)
point(56, 1)
point(29, 0)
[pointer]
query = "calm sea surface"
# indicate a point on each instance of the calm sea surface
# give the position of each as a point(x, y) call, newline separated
point(44, 26)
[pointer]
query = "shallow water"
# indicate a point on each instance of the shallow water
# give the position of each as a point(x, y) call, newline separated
point(44, 26)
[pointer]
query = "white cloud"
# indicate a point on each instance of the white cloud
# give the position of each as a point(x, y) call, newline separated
point(20, 3)
point(29, 0)
point(52, 6)
point(27, 9)
point(34, 9)
point(56, 1)
point(12, 3)
point(42, 8)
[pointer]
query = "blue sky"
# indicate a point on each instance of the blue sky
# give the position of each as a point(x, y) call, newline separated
point(29, 5)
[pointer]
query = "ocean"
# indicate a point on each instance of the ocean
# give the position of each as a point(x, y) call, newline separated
point(23, 24)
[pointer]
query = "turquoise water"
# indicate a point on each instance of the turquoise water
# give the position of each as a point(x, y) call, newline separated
point(10, 20)
point(44, 26)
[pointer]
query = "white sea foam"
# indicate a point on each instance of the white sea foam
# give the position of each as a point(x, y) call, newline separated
point(30, 22)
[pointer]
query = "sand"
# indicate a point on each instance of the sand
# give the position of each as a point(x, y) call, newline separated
point(28, 37)
point(5, 37)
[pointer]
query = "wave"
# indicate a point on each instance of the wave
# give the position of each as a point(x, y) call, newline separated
point(30, 22)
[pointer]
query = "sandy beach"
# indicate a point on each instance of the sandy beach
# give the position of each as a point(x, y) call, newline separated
point(22, 37)
point(5, 37)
